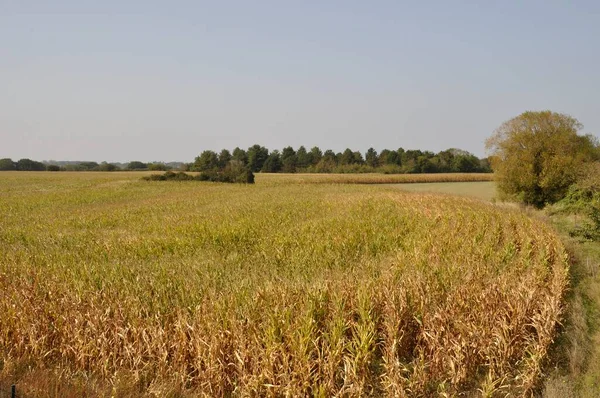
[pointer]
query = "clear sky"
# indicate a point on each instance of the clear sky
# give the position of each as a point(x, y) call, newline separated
point(163, 80)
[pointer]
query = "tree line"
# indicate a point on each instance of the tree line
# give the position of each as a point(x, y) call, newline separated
point(8, 164)
point(259, 159)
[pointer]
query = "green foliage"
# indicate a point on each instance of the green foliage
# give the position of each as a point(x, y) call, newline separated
point(288, 160)
point(304, 158)
point(257, 156)
point(30, 165)
point(315, 155)
point(240, 155)
point(273, 163)
point(583, 198)
point(208, 160)
point(7, 165)
point(224, 158)
point(158, 167)
point(104, 166)
point(536, 156)
point(371, 158)
point(234, 172)
point(137, 165)
point(89, 165)
point(53, 167)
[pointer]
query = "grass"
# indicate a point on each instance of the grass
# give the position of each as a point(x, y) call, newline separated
point(110, 285)
point(578, 351)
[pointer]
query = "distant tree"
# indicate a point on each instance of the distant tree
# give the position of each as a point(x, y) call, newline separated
point(347, 157)
point(224, 158)
point(536, 156)
point(137, 165)
point(330, 156)
point(273, 163)
point(303, 158)
point(158, 167)
point(384, 156)
point(7, 164)
point(357, 158)
point(52, 167)
point(30, 165)
point(240, 155)
point(466, 163)
point(401, 156)
point(426, 165)
point(208, 160)
point(371, 158)
point(107, 167)
point(288, 160)
point(257, 156)
point(237, 171)
point(89, 165)
point(315, 155)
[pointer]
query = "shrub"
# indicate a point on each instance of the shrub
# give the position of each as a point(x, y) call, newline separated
point(235, 172)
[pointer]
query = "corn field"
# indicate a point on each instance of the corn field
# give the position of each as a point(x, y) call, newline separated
point(117, 286)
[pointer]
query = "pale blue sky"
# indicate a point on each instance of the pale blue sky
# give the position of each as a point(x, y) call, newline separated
point(164, 80)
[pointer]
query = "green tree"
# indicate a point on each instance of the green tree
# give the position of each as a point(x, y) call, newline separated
point(289, 160)
point(158, 167)
point(89, 165)
point(536, 156)
point(273, 163)
point(224, 158)
point(30, 165)
point(304, 158)
point(106, 167)
point(257, 156)
point(7, 164)
point(137, 165)
point(208, 160)
point(240, 155)
point(347, 157)
point(330, 156)
point(53, 167)
point(371, 158)
point(315, 155)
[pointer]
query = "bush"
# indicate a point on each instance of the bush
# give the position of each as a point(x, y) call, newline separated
point(235, 172)
point(583, 198)
point(52, 167)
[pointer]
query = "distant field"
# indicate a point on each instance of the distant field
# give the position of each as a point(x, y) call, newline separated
point(485, 190)
point(110, 285)
point(373, 178)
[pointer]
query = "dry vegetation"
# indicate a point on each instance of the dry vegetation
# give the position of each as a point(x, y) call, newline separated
point(114, 286)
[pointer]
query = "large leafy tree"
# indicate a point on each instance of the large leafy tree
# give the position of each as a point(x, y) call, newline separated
point(536, 156)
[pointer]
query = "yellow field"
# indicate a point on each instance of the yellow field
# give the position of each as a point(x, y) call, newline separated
point(110, 285)
point(373, 178)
